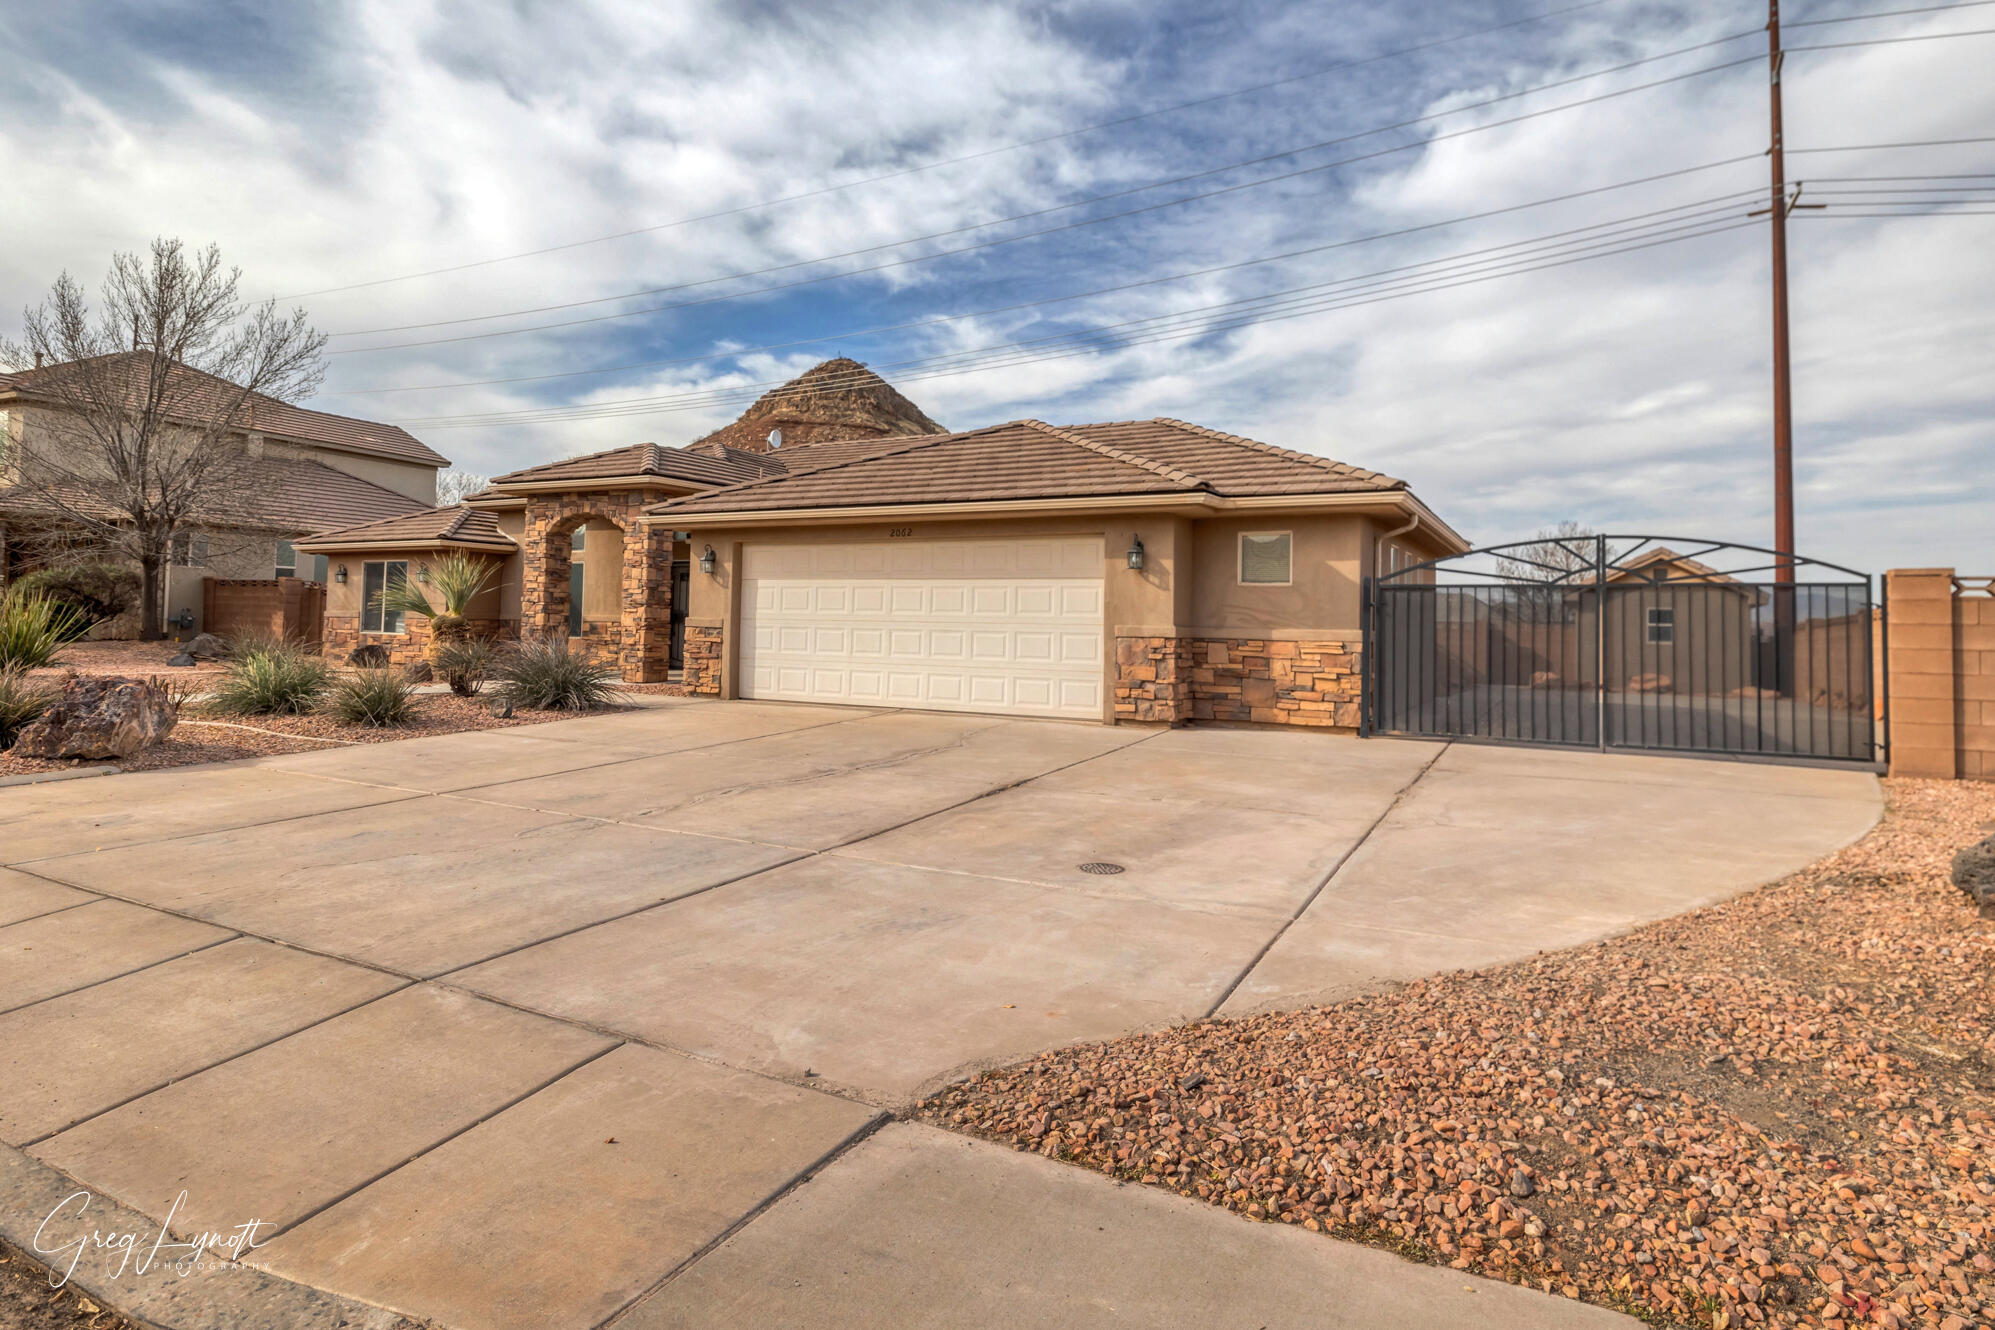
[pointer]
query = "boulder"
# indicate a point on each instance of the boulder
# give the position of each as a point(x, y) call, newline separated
point(206, 646)
point(1974, 873)
point(183, 661)
point(373, 656)
point(1650, 683)
point(99, 717)
point(418, 671)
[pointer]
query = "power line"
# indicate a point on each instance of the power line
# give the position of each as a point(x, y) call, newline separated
point(1883, 13)
point(1444, 273)
point(1894, 41)
point(1179, 335)
point(1110, 290)
point(967, 157)
point(1030, 235)
point(1916, 143)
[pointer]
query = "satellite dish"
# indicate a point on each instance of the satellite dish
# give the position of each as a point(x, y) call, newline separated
point(775, 439)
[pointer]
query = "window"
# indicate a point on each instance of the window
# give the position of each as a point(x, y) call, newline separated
point(287, 559)
point(375, 578)
point(1662, 626)
point(1264, 558)
point(189, 550)
point(320, 566)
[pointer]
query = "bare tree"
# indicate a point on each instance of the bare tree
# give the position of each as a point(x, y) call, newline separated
point(455, 486)
point(149, 401)
point(1563, 555)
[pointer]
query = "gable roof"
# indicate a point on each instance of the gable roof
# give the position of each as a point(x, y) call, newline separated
point(834, 400)
point(293, 495)
point(454, 525)
point(263, 414)
point(1029, 459)
point(640, 460)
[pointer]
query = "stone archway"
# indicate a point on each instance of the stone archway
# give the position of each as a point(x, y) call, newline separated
point(639, 641)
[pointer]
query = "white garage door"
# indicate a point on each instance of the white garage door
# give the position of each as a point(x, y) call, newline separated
point(949, 625)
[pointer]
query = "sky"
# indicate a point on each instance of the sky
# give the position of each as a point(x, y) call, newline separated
point(1533, 303)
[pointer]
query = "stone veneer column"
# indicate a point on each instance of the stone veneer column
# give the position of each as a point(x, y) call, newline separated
point(647, 603)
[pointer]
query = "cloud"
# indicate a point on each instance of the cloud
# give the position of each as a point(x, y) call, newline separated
point(325, 147)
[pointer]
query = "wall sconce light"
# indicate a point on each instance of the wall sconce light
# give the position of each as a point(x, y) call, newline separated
point(707, 561)
point(422, 574)
point(340, 576)
point(1136, 552)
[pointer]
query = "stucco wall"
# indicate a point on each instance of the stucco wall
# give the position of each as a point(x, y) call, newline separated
point(417, 480)
point(1183, 638)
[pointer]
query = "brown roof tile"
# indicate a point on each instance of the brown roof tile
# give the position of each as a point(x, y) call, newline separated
point(291, 495)
point(264, 414)
point(703, 467)
point(455, 525)
point(1028, 459)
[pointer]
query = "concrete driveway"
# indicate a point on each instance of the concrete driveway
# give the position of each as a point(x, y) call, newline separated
point(601, 1020)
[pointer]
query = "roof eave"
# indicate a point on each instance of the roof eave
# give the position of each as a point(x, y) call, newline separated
point(1168, 501)
point(344, 544)
point(683, 486)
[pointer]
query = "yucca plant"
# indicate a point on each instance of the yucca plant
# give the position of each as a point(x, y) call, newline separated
point(544, 674)
point(372, 697)
point(34, 627)
point(466, 664)
point(454, 581)
point(21, 702)
point(272, 680)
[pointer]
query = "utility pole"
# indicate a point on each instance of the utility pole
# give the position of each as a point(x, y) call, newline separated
point(1783, 401)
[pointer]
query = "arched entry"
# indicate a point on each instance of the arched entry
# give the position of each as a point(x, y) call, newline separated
point(1627, 642)
point(627, 588)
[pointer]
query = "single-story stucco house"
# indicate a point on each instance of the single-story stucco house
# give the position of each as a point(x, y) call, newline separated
point(1149, 570)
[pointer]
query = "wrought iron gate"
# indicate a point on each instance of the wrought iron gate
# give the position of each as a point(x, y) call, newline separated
point(1631, 642)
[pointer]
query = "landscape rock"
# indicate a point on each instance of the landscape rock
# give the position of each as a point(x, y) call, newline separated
point(206, 646)
point(1974, 873)
point(99, 716)
point(183, 661)
point(502, 707)
point(373, 656)
point(418, 671)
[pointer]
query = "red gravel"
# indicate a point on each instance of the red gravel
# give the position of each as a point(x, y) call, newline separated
point(1773, 1111)
point(135, 660)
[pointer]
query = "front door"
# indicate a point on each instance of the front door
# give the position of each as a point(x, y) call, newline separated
point(682, 590)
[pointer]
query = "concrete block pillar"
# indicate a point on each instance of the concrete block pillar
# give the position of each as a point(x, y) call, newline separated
point(1919, 635)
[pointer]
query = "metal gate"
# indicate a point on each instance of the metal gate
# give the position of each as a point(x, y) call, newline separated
point(1627, 642)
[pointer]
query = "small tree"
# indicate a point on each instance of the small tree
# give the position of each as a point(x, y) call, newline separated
point(454, 486)
point(1563, 555)
point(149, 399)
point(456, 579)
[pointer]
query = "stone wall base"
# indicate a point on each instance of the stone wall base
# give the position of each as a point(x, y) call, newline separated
point(704, 646)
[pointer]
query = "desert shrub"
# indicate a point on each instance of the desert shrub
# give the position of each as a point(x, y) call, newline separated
point(466, 664)
point(97, 592)
point(21, 701)
point(371, 697)
point(262, 642)
point(279, 679)
point(546, 675)
point(34, 627)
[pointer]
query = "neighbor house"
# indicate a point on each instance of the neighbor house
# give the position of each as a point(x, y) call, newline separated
point(1148, 570)
point(307, 472)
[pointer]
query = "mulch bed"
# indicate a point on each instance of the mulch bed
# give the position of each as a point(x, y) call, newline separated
point(1775, 1111)
point(28, 1303)
point(204, 735)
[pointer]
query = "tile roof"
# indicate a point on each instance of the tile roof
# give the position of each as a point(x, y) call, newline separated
point(1028, 459)
point(291, 495)
point(264, 414)
point(455, 525)
point(702, 467)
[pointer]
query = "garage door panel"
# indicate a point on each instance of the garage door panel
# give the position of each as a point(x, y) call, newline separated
point(993, 625)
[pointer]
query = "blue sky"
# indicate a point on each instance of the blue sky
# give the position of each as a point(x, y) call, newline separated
point(332, 145)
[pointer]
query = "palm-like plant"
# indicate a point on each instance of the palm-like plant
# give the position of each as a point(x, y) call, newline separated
point(455, 580)
point(33, 627)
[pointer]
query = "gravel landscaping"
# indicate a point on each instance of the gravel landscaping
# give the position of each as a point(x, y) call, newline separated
point(135, 660)
point(1772, 1111)
point(27, 1302)
point(204, 736)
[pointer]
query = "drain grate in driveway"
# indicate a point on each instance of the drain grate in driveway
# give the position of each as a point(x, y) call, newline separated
point(1101, 869)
